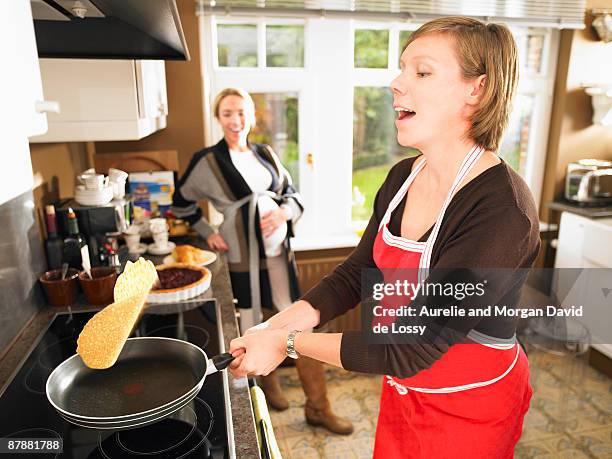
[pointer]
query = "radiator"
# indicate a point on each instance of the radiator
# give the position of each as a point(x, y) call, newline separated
point(312, 267)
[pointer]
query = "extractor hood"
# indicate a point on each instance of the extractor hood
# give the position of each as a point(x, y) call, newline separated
point(109, 29)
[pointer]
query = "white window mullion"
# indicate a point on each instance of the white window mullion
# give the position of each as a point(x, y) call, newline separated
point(261, 44)
point(394, 52)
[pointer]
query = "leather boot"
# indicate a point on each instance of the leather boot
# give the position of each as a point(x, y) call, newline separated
point(318, 409)
point(274, 393)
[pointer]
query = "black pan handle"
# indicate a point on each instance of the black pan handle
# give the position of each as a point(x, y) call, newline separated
point(219, 362)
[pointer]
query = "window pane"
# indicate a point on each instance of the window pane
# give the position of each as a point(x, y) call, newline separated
point(276, 115)
point(371, 48)
point(403, 38)
point(530, 46)
point(285, 46)
point(375, 147)
point(237, 45)
point(516, 139)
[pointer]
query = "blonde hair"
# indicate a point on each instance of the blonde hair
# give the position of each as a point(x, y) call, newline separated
point(249, 105)
point(482, 49)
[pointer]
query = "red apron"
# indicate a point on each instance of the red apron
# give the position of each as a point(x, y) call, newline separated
point(470, 403)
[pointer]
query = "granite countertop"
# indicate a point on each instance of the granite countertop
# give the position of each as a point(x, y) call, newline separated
point(585, 211)
point(242, 427)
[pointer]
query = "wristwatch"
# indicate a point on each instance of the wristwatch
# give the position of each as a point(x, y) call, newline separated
point(290, 344)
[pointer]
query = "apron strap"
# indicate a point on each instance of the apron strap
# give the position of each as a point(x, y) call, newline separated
point(466, 166)
point(403, 390)
point(253, 246)
point(401, 193)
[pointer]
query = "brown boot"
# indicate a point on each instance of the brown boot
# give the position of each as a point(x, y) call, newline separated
point(318, 409)
point(274, 393)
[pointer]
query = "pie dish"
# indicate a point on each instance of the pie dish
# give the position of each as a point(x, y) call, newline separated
point(178, 282)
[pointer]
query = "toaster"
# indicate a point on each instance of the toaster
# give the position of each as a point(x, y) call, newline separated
point(589, 182)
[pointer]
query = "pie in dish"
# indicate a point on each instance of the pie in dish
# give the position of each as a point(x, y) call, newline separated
point(191, 255)
point(178, 282)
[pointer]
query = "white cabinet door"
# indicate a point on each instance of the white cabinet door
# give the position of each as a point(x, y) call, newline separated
point(20, 60)
point(20, 90)
point(104, 99)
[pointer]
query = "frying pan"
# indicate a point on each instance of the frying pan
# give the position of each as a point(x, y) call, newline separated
point(153, 378)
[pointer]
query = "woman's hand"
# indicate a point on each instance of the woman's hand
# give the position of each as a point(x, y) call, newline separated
point(264, 350)
point(271, 220)
point(216, 242)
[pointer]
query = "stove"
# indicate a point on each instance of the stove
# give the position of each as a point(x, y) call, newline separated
point(198, 430)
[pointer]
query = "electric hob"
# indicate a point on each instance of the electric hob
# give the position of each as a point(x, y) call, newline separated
point(196, 431)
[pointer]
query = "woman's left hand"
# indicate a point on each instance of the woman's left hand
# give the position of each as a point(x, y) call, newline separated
point(264, 351)
point(271, 220)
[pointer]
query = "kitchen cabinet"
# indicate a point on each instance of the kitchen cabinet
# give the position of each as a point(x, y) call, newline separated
point(586, 244)
point(104, 99)
point(21, 92)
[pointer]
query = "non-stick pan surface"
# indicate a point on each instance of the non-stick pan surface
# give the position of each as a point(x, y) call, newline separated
point(153, 376)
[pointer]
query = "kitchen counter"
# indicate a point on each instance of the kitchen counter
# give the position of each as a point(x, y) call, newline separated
point(585, 211)
point(242, 426)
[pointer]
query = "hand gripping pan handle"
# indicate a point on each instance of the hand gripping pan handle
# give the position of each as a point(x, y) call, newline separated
point(219, 362)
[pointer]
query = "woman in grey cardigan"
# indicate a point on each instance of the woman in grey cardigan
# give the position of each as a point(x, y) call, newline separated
point(254, 192)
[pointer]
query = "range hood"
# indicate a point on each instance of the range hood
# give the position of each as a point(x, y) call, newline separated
point(109, 29)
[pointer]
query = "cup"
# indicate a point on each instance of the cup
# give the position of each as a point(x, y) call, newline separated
point(60, 292)
point(132, 240)
point(93, 181)
point(161, 239)
point(116, 175)
point(99, 289)
point(117, 181)
point(157, 225)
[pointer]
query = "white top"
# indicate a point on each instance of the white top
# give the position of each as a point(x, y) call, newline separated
point(254, 173)
point(259, 179)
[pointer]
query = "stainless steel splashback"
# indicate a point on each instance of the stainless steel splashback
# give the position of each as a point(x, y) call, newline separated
point(22, 260)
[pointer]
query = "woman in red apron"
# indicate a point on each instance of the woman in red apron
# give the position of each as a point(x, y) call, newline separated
point(467, 399)
point(479, 413)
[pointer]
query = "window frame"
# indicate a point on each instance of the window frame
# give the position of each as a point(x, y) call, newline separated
point(327, 221)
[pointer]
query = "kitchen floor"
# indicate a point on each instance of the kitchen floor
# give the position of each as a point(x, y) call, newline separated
point(565, 389)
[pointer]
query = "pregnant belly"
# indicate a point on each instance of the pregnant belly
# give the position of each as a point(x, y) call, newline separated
point(272, 243)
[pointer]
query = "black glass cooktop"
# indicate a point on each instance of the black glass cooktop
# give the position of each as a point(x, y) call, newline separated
point(196, 431)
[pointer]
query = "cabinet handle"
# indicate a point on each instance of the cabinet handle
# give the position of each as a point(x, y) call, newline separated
point(47, 106)
point(162, 108)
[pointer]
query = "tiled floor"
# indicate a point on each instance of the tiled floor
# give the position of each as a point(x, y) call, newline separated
point(565, 389)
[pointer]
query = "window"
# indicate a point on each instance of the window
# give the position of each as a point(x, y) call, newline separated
point(371, 48)
point(259, 44)
point(514, 147)
point(321, 90)
point(237, 45)
point(285, 46)
point(404, 35)
point(276, 115)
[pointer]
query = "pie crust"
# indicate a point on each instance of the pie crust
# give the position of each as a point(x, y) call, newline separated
point(174, 295)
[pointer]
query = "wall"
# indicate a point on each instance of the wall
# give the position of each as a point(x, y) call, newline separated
point(185, 130)
point(55, 167)
point(583, 58)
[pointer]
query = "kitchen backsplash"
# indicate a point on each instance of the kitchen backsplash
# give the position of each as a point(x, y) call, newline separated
point(22, 260)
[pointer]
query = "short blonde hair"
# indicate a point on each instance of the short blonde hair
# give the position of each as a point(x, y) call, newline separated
point(249, 105)
point(483, 49)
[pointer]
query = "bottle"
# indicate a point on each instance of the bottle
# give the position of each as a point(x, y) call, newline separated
point(75, 247)
point(54, 246)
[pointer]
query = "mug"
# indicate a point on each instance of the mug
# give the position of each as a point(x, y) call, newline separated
point(117, 175)
point(93, 181)
point(157, 225)
point(161, 239)
point(132, 240)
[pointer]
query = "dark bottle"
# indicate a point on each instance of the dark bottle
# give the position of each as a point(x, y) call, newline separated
point(75, 247)
point(54, 246)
